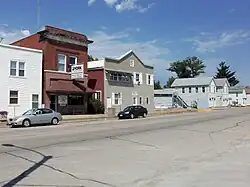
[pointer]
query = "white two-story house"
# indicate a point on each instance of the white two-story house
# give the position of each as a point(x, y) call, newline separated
point(238, 96)
point(21, 79)
point(204, 91)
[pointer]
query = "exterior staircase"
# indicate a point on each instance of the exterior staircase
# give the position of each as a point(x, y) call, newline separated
point(178, 101)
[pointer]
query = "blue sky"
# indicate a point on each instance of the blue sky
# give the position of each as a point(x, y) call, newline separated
point(159, 31)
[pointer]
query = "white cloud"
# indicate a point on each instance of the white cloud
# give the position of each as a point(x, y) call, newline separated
point(11, 35)
point(90, 2)
point(131, 5)
point(125, 5)
point(116, 44)
point(110, 2)
point(210, 42)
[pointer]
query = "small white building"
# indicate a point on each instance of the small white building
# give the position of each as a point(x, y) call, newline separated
point(222, 92)
point(247, 89)
point(21, 77)
point(163, 98)
point(237, 96)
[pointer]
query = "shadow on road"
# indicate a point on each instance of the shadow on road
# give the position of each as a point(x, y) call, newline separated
point(29, 170)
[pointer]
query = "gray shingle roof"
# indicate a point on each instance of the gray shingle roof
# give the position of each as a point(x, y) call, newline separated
point(220, 82)
point(236, 89)
point(197, 81)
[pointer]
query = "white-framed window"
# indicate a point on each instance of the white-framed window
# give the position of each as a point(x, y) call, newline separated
point(132, 63)
point(134, 100)
point(203, 89)
point(197, 89)
point(116, 98)
point(141, 100)
point(137, 77)
point(183, 90)
point(72, 61)
point(17, 68)
point(147, 100)
point(190, 89)
point(62, 63)
point(35, 101)
point(149, 79)
point(98, 95)
point(13, 97)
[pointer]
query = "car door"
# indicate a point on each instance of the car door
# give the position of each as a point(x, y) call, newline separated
point(36, 117)
point(47, 115)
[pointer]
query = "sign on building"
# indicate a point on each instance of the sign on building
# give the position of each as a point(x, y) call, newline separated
point(62, 100)
point(77, 71)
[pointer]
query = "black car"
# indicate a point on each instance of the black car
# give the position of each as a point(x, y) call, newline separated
point(133, 112)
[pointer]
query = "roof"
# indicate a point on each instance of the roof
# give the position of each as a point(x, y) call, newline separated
point(126, 55)
point(165, 91)
point(220, 82)
point(236, 89)
point(197, 81)
point(20, 48)
point(247, 90)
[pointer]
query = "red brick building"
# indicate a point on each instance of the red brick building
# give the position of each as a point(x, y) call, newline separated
point(61, 50)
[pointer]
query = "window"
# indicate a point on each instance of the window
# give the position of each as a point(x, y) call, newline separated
point(135, 100)
point(183, 90)
point(98, 95)
point(196, 89)
point(137, 77)
point(75, 100)
point(35, 100)
point(21, 69)
point(236, 94)
point(117, 97)
point(115, 77)
point(62, 63)
point(147, 100)
point(16, 65)
point(72, 61)
point(149, 79)
point(190, 89)
point(132, 63)
point(13, 67)
point(13, 97)
point(141, 100)
point(203, 89)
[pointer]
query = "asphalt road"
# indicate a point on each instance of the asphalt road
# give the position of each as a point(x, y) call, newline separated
point(186, 150)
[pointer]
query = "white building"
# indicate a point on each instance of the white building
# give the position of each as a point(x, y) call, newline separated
point(203, 91)
point(21, 79)
point(237, 96)
point(247, 89)
point(163, 98)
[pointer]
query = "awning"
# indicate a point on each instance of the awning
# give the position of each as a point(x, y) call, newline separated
point(68, 86)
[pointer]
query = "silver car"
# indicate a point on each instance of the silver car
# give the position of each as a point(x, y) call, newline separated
point(36, 116)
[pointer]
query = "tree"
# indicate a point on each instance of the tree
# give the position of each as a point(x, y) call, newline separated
point(169, 82)
point(223, 71)
point(157, 85)
point(188, 68)
point(91, 58)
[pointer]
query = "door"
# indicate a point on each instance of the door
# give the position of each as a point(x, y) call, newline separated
point(47, 116)
point(37, 117)
point(109, 102)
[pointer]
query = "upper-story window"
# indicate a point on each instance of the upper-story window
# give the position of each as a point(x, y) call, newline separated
point(203, 89)
point(72, 61)
point(17, 68)
point(137, 77)
point(132, 63)
point(150, 79)
point(190, 89)
point(61, 63)
point(183, 90)
point(236, 94)
point(119, 77)
point(196, 89)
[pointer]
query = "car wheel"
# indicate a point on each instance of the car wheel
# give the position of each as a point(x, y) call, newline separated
point(132, 116)
point(144, 115)
point(54, 121)
point(26, 123)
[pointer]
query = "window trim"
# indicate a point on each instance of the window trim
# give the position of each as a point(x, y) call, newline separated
point(190, 90)
point(17, 68)
point(136, 100)
point(147, 100)
point(183, 90)
point(76, 58)
point(132, 63)
point(196, 90)
point(141, 100)
point(65, 62)
point(32, 101)
point(203, 91)
point(14, 104)
point(95, 94)
point(136, 77)
point(118, 99)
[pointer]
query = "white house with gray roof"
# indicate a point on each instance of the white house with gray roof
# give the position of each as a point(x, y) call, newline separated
point(238, 96)
point(204, 91)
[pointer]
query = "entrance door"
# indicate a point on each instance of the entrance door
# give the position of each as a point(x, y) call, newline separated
point(53, 102)
point(109, 104)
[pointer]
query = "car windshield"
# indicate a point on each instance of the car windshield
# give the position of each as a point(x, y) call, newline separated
point(127, 108)
point(29, 112)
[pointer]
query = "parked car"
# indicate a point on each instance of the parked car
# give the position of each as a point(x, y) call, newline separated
point(36, 116)
point(133, 112)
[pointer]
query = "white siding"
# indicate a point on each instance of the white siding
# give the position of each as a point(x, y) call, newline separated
point(30, 84)
point(240, 98)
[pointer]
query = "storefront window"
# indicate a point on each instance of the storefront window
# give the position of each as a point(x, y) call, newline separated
point(75, 100)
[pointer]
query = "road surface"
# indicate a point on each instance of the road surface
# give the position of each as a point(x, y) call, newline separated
point(208, 149)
